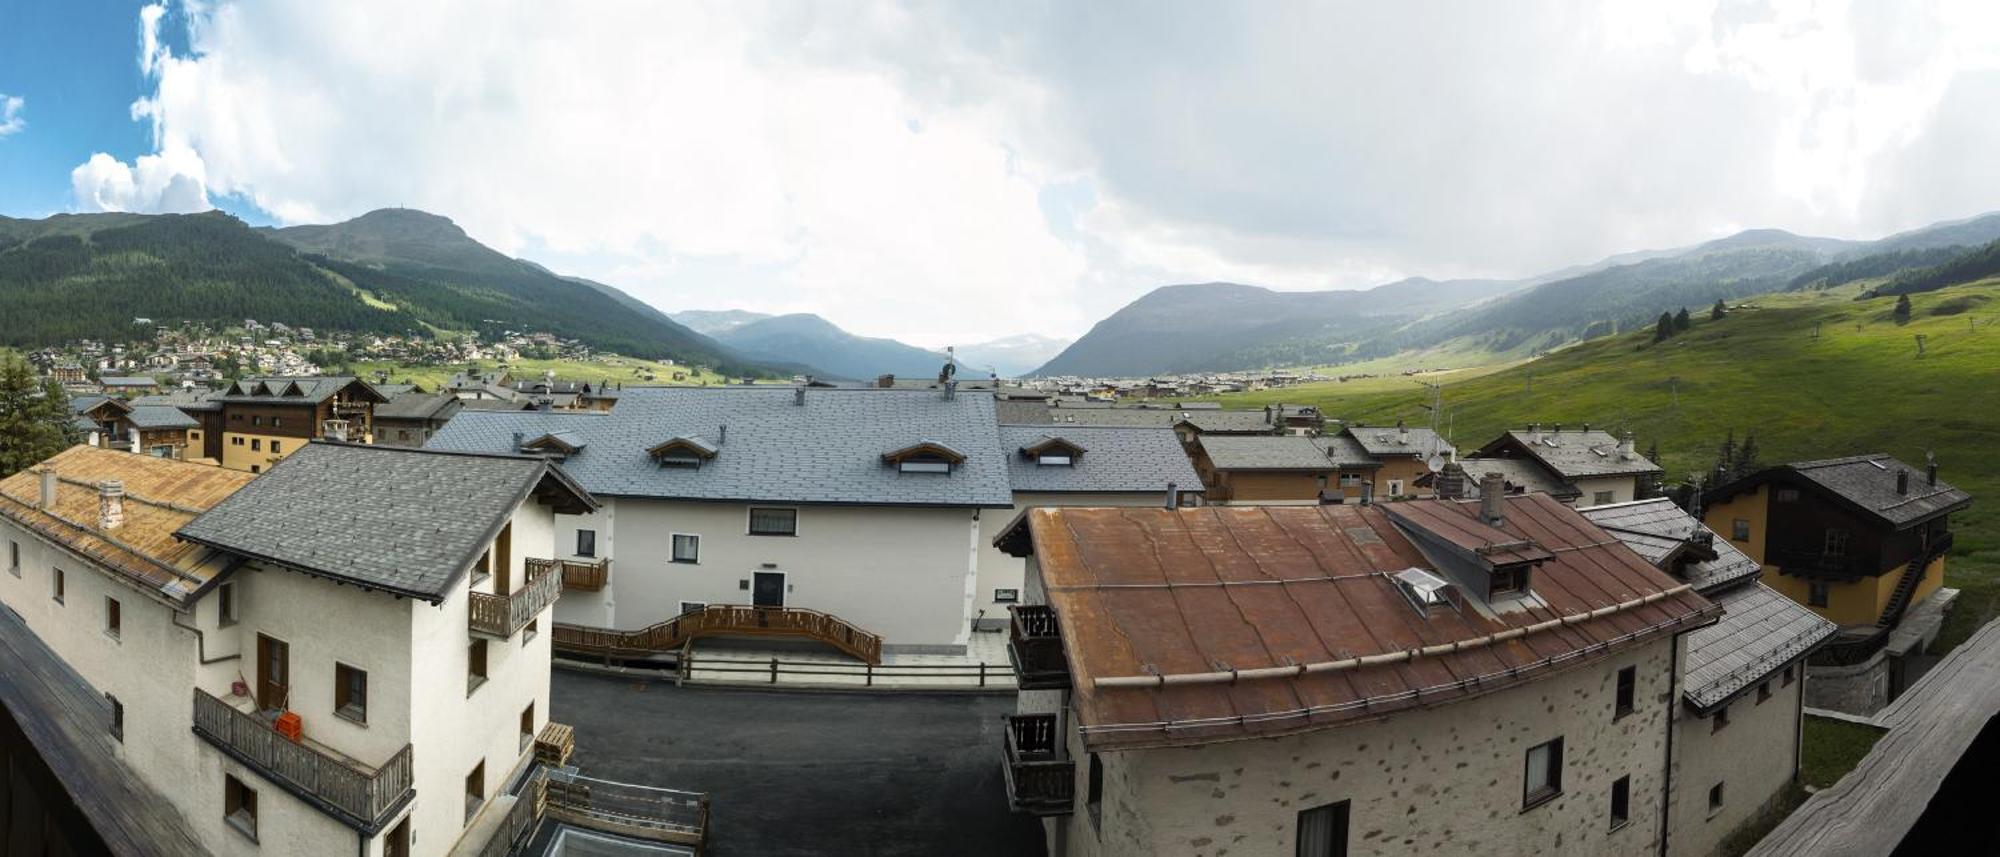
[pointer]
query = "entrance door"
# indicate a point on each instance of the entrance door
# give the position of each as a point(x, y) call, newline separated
point(274, 673)
point(503, 561)
point(768, 589)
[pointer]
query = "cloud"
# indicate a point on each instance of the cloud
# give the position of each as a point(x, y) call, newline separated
point(10, 114)
point(951, 173)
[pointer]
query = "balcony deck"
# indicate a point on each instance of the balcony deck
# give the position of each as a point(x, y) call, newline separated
point(500, 616)
point(358, 795)
point(577, 575)
point(1039, 780)
point(721, 620)
point(1035, 647)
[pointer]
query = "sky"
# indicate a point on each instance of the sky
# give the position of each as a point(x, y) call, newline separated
point(946, 173)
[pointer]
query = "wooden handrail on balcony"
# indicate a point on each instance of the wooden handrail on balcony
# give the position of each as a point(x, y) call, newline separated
point(364, 797)
point(577, 574)
point(501, 615)
point(1039, 779)
point(1035, 647)
point(731, 620)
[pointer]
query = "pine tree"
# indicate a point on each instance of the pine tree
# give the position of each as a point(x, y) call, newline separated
point(34, 417)
point(1681, 321)
point(1718, 311)
point(1746, 461)
point(1664, 329)
point(1902, 309)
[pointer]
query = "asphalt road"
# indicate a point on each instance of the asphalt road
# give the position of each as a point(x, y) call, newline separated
point(808, 773)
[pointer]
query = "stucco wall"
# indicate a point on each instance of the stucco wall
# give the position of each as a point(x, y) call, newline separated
point(1751, 506)
point(1754, 758)
point(1252, 486)
point(237, 456)
point(1623, 490)
point(1444, 780)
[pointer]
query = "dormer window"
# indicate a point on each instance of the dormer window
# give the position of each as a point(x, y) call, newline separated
point(684, 451)
point(924, 456)
point(1510, 580)
point(1052, 451)
point(1051, 459)
point(555, 444)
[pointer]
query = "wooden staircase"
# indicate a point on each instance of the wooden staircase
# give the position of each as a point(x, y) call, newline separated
point(720, 620)
point(1913, 575)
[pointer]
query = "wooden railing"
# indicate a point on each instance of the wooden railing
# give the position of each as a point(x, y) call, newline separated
point(1039, 780)
point(730, 620)
point(501, 615)
point(521, 817)
point(1035, 647)
point(663, 815)
point(365, 796)
point(577, 574)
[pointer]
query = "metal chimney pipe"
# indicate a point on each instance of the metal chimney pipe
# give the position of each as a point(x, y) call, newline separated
point(1493, 498)
point(1931, 473)
point(1367, 492)
point(1902, 481)
point(1173, 496)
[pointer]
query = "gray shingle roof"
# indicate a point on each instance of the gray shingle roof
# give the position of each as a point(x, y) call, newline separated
point(1526, 474)
point(315, 388)
point(1869, 481)
point(1260, 452)
point(1573, 453)
point(1207, 420)
point(161, 417)
point(1346, 451)
point(828, 450)
point(1387, 440)
point(1115, 459)
point(1656, 528)
point(127, 381)
point(400, 520)
point(1761, 630)
point(412, 405)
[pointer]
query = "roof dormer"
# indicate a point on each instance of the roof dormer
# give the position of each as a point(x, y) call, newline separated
point(924, 456)
point(557, 444)
point(1052, 451)
point(683, 451)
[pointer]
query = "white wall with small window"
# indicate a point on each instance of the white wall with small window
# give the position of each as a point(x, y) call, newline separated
point(1755, 757)
point(1603, 490)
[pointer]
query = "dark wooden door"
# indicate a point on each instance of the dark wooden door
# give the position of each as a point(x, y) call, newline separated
point(274, 673)
point(768, 589)
point(503, 561)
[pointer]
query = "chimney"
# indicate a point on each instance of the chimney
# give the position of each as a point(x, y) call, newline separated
point(799, 393)
point(1534, 432)
point(1930, 472)
point(1451, 481)
point(1625, 447)
point(1586, 426)
point(1902, 481)
point(1402, 433)
point(1367, 492)
point(110, 505)
point(722, 434)
point(950, 390)
point(48, 489)
point(1173, 496)
point(1492, 498)
point(517, 441)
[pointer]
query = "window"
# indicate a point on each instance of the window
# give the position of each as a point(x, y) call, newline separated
point(254, 468)
point(924, 464)
point(1601, 497)
point(1350, 480)
point(275, 422)
point(117, 717)
point(225, 605)
point(586, 542)
point(528, 632)
point(1395, 487)
point(1621, 802)
point(1509, 580)
point(1739, 530)
point(239, 806)
point(1543, 780)
point(1719, 721)
point(235, 441)
point(1763, 692)
point(1054, 459)
point(1006, 596)
point(1715, 797)
point(1094, 798)
point(256, 445)
point(1836, 543)
point(256, 421)
point(1788, 495)
point(114, 622)
point(350, 693)
point(475, 790)
point(687, 548)
point(56, 581)
point(274, 447)
point(527, 725)
point(693, 606)
point(1816, 593)
point(14, 558)
point(475, 666)
point(1787, 680)
point(1628, 680)
point(774, 522)
point(1323, 831)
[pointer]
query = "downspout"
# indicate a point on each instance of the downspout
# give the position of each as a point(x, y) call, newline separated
point(1667, 773)
point(1799, 730)
point(200, 641)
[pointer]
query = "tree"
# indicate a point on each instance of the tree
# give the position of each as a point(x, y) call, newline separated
point(1746, 461)
point(1718, 311)
point(1681, 321)
point(34, 417)
point(1664, 329)
point(1902, 313)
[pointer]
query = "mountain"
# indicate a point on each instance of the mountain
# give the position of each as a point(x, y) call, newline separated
point(803, 338)
point(1011, 356)
point(1230, 326)
point(715, 321)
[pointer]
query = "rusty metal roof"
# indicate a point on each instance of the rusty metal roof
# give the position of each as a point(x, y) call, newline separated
point(160, 497)
point(1144, 592)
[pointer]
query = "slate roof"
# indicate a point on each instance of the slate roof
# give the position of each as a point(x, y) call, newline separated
point(1572, 453)
point(127, 381)
point(186, 400)
point(1264, 452)
point(314, 388)
point(1524, 474)
point(161, 417)
point(1384, 440)
point(1656, 528)
point(828, 450)
point(405, 521)
point(1115, 460)
point(412, 405)
point(1346, 451)
point(1867, 484)
point(1761, 630)
point(83, 404)
point(1205, 420)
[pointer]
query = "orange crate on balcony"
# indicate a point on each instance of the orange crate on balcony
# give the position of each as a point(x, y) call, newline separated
point(289, 725)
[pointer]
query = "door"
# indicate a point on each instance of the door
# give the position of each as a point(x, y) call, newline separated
point(768, 589)
point(503, 561)
point(274, 673)
point(397, 843)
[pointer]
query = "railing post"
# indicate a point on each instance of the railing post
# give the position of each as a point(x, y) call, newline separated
point(871, 674)
point(982, 673)
point(774, 670)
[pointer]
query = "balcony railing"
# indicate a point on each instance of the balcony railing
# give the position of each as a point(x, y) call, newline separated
point(500, 616)
point(720, 620)
point(643, 812)
point(1035, 646)
point(578, 575)
point(1039, 780)
point(362, 797)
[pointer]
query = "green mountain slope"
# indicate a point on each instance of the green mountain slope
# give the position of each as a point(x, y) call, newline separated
point(808, 340)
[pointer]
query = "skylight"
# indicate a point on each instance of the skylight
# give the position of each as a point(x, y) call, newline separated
point(1424, 589)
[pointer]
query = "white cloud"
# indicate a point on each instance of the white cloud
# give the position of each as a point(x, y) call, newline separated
point(10, 114)
point(952, 173)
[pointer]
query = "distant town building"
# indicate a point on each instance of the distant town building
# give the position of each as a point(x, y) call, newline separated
point(255, 422)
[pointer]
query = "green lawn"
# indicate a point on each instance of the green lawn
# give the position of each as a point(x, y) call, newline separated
point(1832, 748)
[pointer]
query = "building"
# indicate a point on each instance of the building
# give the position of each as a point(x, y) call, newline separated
point(1075, 466)
point(1597, 467)
point(1737, 736)
point(1263, 468)
point(410, 418)
point(256, 422)
point(1859, 540)
point(1403, 455)
point(137, 385)
point(863, 504)
point(283, 656)
point(1432, 676)
point(162, 431)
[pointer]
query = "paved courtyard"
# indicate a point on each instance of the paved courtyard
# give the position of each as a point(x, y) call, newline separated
point(807, 773)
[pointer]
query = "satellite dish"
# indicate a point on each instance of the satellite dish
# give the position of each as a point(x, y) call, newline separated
point(1434, 462)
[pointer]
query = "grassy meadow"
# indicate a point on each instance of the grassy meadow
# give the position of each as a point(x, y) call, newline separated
point(630, 370)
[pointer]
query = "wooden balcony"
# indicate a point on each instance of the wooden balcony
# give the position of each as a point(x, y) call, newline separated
point(500, 616)
point(1036, 649)
point(359, 796)
point(577, 575)
point(721, 620)
point(1039, 780)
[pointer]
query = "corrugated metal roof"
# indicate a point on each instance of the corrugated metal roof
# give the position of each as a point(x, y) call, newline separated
point(1142, 591)
point(1761, 630)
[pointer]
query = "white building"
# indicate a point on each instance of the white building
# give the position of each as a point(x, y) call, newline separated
point(865, 504)
point(378, 600)
point(1432, 676)
point(1589, 466)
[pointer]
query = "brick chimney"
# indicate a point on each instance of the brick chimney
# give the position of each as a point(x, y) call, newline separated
point(48, 497)
point(110, 505)
point(1493, 498)
point(1451, 481)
